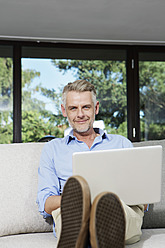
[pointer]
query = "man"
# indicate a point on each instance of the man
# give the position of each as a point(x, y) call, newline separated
point(111, 221)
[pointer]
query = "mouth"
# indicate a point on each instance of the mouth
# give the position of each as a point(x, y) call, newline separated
point(81, 121)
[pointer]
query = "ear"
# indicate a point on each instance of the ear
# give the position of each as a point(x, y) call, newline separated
point(97, 108)
point(63, 110)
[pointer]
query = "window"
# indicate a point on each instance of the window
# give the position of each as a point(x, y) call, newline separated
point(152, 95)
point(6, 95)
point(44, 77)
point(130, 84)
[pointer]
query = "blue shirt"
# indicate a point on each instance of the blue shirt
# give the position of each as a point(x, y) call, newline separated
point(56, 161)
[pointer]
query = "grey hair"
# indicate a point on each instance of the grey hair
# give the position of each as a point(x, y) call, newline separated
point(79, 86)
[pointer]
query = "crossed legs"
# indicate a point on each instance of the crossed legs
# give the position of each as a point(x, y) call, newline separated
point(109, 222)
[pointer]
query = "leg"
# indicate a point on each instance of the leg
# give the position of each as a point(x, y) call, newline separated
point(75, 212)
point(113, 223)
point(125, 221)
point(56, 214)
point(107, 222)
point(134, 219)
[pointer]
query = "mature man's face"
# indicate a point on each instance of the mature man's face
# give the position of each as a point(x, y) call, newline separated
point(80, 110)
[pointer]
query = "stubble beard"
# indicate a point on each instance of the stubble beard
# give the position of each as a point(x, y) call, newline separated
point(82, 130)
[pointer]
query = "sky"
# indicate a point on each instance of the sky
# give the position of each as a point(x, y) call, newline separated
point(50, 77)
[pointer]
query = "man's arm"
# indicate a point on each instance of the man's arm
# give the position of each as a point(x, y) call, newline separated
point(48, 183)
point(52, 203)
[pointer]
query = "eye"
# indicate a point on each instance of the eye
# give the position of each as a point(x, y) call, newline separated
point(87, 107)
point(72, 108)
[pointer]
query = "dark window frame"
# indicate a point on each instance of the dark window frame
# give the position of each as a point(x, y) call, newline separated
point(132, 70)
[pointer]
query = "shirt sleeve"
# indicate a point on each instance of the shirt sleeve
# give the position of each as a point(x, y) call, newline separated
point(48, 183)
point(126, 143)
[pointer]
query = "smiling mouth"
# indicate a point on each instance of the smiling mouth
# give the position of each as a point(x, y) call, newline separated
point(81, 121)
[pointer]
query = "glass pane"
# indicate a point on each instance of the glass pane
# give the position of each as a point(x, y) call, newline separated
point(41, 93)
point(152, 96)
point(6, 95)
point(44, 79)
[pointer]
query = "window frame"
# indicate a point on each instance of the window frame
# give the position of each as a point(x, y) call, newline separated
point(132, 71)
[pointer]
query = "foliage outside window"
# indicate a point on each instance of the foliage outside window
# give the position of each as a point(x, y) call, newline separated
point(109, 78)
point(152, 99)
point(6, 100)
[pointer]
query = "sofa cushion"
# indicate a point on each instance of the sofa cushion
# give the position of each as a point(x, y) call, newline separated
point(155, 217)
point(18, 185)
point(35, 240)
point(151, 238)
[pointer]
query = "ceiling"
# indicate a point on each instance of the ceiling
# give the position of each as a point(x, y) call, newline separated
point(87, 21)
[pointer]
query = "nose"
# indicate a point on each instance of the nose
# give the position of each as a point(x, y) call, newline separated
point(80, 113)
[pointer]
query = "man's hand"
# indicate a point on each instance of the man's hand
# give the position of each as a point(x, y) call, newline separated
point(52, 203)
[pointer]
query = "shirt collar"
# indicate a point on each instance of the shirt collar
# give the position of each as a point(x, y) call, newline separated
point(102, 133)
point(70, 137)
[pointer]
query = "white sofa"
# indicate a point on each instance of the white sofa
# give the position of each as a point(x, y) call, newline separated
point(21, 225)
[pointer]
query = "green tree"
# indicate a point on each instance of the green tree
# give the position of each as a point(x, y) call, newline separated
point(152, 99)
point(6, 99)
point(34, 127)
point(36, 120)
point(109, 78)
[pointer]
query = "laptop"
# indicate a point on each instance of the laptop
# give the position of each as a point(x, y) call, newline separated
point(134, 174)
